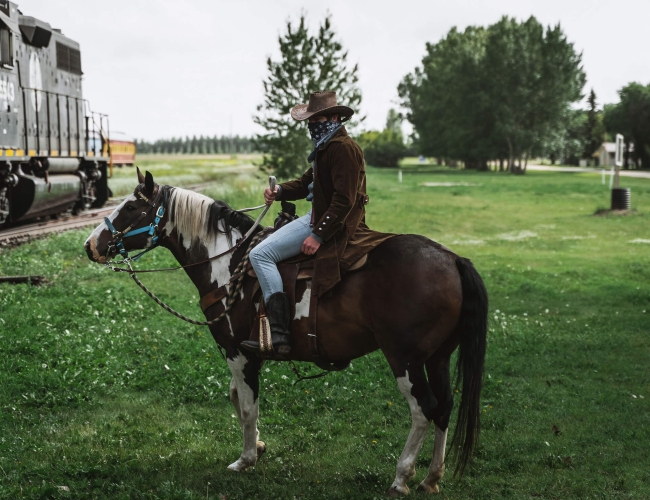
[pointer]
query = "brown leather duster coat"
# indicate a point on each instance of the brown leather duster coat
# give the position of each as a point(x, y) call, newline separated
point(338, 209)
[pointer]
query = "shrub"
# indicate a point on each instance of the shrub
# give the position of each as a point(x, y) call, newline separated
point(382, 149)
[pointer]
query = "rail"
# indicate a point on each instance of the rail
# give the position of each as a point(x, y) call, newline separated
point(76, 123)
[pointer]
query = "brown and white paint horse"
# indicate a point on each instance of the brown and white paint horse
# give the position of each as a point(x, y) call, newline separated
point(414, 299)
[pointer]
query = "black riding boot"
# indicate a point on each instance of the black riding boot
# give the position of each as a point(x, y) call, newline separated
point(278, 312)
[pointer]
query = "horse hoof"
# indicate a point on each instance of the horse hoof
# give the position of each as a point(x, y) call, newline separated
point(397, 491)
point(261, 449)
point(425, 488)
point(238, 466)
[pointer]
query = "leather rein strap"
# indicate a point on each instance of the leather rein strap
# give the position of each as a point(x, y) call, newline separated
point(206, 301)
point(176, 268)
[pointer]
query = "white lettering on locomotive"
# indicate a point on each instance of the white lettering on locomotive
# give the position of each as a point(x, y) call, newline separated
point(35, 80)
point(7, 90)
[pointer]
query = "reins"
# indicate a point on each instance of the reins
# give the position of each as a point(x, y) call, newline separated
point(236, 280)
point(239, 243)
point(236, 283)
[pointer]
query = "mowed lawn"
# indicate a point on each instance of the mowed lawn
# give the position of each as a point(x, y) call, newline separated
point(105, 395)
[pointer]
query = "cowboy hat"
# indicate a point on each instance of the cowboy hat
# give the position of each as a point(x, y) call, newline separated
point(320, 103)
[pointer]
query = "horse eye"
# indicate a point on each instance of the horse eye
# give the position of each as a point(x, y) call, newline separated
point(130, 208)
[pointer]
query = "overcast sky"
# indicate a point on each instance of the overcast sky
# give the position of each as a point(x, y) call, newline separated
point(163, 68)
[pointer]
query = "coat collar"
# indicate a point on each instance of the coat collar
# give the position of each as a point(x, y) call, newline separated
point(340, 136)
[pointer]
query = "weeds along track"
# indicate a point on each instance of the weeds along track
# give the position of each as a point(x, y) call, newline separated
point(24, 233)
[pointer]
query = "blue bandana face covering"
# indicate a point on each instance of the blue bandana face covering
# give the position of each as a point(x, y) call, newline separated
point(318, 130)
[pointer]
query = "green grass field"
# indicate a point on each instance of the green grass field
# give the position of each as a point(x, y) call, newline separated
point(104, 395)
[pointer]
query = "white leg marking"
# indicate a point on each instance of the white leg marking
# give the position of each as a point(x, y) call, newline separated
point(248, 413)
point(419, 427)
point(439, 446)
point(302, 307)
point(437, 467)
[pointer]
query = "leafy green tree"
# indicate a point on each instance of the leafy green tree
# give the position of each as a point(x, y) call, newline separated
point(382, 149)
point(394, 121)
point(445, 104)
point(631, 117)
point(535, 75)
point(485, 94)
point(385, 148)
point(594, 127)
point(567, 143)
point(308, 63)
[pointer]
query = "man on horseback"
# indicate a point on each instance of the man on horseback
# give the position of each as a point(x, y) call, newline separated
point(334, 229)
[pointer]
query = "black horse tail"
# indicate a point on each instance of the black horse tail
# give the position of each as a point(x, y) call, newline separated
point(472, 327)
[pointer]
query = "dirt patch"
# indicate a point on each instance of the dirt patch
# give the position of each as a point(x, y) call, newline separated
point(606, 212)
point(20, 240)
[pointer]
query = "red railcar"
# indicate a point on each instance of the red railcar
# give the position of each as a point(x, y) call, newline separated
point(122, 149)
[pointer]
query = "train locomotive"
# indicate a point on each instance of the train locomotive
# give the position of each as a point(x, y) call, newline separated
point(54, 151)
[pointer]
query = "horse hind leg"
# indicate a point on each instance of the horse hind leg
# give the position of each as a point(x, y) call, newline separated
point(439, 381)
point(414, 387)
point(234, 399)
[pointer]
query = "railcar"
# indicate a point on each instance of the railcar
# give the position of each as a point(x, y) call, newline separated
point(122, 149)
point(54, 151)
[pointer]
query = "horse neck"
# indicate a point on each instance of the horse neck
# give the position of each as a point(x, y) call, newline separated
point(189, 249)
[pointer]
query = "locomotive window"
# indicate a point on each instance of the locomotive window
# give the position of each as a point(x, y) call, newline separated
point(6, 47)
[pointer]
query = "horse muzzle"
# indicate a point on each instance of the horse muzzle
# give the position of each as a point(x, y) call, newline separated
point(94, 255)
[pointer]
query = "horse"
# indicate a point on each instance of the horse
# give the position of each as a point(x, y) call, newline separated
point(414, 299)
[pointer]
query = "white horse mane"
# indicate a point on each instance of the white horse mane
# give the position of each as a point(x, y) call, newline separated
point(195, 216)
point(190, 213)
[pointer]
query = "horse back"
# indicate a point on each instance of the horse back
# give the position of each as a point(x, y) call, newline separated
point(406, 299)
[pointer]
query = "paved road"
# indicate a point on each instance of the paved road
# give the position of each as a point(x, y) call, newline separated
point(623, 173)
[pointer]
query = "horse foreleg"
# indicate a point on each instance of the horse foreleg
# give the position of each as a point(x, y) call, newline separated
point(245, 374)
point(414, 387)
point(234, 399)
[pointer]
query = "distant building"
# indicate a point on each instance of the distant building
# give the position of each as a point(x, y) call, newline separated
point(606, 154)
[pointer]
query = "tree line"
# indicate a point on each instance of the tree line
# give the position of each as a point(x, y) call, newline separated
point(501, 94)
point(198, 145)
point(508, 92)
point(498, 93)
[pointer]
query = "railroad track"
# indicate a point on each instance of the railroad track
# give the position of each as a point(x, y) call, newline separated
point(25, 232)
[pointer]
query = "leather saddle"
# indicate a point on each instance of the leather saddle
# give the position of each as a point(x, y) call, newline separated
point(298, 268)
point(294, 270)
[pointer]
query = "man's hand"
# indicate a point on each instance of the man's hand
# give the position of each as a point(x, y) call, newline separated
point(269, 196)
point(310, 246)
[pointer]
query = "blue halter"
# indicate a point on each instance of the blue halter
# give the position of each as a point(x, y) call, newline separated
point(151, 229)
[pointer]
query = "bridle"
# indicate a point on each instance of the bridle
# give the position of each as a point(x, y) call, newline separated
point(151, 229)
point(236, 280)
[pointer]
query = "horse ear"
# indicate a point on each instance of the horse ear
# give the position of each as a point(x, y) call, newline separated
point(148, 183)
point(140, 176)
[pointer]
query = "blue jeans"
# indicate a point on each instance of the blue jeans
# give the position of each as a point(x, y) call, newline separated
point(284, 243)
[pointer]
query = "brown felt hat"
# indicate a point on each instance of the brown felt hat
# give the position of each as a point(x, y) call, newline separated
point(320, 103)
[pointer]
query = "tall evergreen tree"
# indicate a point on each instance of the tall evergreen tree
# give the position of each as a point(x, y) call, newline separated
point(592, 127)
point(308, 63)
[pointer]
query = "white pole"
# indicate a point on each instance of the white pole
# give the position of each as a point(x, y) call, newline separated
point(611, 178)
point(399, 176)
